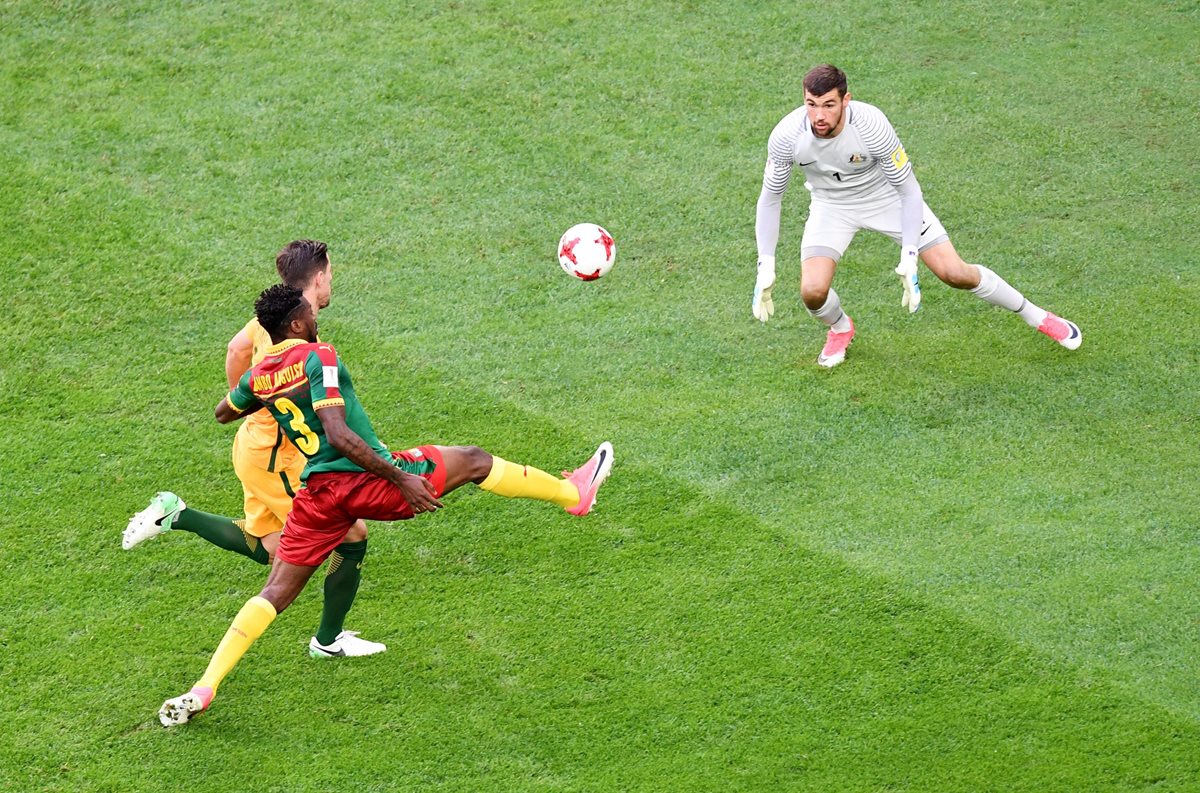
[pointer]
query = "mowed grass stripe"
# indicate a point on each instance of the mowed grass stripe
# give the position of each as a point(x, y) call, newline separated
point(669, 642)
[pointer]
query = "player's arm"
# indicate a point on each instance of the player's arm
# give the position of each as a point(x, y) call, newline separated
point(238, 402)
point(325, 373)
point(912, 206)
point(417, 490)
point(766, 223)
point(776, 176)
point(884, 145)
point(238, 354)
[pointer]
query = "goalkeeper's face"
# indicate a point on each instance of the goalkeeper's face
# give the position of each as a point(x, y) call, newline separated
point(826, 113)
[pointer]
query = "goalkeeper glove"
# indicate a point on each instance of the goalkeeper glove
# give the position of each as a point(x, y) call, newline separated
point(763, 306)
point(907, 270)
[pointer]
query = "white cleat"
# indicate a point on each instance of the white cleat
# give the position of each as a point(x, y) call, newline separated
point(346, 645)
point(181, 709)
point(153, 520)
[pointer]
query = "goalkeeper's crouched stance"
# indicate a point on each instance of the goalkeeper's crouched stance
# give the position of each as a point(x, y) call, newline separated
point(860, 177)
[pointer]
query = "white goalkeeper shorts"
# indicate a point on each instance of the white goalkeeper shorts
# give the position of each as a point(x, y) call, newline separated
point(830, 228)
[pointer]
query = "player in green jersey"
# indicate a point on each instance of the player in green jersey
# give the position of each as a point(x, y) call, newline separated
point(349, 475)
point(269, 466)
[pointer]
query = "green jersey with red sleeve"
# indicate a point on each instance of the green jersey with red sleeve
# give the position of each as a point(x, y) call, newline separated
point(293, 381)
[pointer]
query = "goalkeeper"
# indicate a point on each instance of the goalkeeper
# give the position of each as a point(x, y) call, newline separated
point(860, 178)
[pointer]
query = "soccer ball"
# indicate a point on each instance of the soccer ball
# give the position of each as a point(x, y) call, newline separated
point(586, 251)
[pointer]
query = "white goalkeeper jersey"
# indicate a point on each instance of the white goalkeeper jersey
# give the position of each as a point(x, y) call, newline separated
point(864, 165)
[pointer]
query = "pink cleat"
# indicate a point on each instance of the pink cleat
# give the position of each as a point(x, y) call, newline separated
point(1063, 331)
point(588, 478)
point(835, 347)
point(181, 709)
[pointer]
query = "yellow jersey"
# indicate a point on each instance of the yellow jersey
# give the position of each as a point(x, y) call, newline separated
point(259, 435)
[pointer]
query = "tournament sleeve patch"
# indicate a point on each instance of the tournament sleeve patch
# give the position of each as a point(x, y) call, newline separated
point(899, 157)
point(330, 377)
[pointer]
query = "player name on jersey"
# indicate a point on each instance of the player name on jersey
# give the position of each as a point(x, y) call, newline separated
point(271, 382)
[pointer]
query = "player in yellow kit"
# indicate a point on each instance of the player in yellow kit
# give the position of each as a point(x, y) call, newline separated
point(269, 467)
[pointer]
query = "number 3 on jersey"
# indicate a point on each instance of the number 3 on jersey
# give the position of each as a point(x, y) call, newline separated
point(308, 443)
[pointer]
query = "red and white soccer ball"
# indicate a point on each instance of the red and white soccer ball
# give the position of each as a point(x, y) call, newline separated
point(587, 251)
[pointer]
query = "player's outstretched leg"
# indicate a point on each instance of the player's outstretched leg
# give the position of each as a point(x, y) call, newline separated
point(168, 512)
point(576, 492)
point(944, 262)
point(152, 521)
point(995, 290)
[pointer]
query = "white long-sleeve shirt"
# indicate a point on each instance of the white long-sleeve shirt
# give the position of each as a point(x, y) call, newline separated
point(864, 165)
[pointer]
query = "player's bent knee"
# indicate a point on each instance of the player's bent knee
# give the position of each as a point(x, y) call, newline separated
point(270, 543)
point(813, 296)
point(478, 461)
point(357, 532)
point(277, 597)
point(962, 277)
point(285, 582)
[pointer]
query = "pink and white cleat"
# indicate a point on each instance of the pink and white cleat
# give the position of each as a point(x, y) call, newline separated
point(181, 709)
point(834, 351)
point(588, 478)
point(1063, 331)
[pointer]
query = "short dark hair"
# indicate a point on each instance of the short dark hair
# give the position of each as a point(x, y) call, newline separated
point(274, 308)
point(822, 79)
point(300, 260)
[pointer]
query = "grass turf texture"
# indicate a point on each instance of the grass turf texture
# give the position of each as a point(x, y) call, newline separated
point(966, 560)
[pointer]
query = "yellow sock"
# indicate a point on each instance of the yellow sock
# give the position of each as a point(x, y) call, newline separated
point(247, 626)
point(524, 481)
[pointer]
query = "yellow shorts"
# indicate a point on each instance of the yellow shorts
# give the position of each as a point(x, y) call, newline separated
point(266, 495)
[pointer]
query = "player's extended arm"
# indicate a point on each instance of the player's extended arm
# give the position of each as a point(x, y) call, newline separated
point(238, 353)
point(417, 491)
point(912, 205)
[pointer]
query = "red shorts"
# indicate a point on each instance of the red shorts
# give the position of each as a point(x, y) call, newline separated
point(329, 503)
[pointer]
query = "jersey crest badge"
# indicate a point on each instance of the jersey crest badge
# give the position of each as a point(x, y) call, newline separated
point(857, 159)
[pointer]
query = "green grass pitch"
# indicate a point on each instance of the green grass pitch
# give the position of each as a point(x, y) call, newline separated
point(967, 560)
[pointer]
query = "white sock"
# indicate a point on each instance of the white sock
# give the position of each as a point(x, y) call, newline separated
point(831, 313)
point(995, 290)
